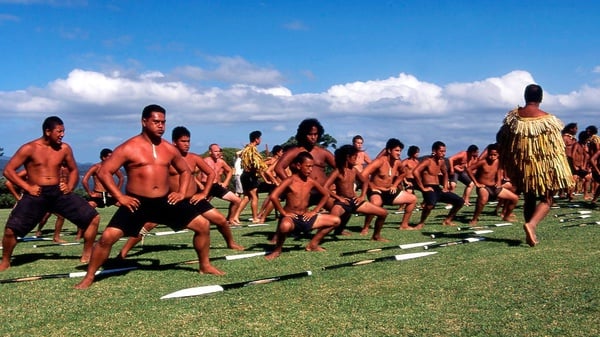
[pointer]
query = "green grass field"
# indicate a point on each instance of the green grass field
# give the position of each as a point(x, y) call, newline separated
point(497, 287)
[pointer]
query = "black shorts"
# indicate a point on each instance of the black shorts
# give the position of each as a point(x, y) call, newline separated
point(596, 176)
point(157, 210)
point(493, 192)
point(303, 226)
point(387, 197)
point(105, 200)
point(432, 197)
point(351, 206)
point(218, 191)
point(202, 206)
point(28, 211)
point(249, 181)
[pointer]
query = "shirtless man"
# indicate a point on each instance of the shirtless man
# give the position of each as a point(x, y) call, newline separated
point(99, 197)
point(181, 137)
point(427, 176)
point(458, 165)
point(295, 216)
point(309, 133)
point(219, 187)
point(362, 157)
point(59, 219)
point(147, 159)
point(487, 177)
point(44, 192)
point(347, 202)
point(580, 166)
point(385, 177)
point(408, 165)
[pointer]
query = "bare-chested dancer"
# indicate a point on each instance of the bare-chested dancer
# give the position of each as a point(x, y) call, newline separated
point(385, 177)
point(427, 176)
point(309, 133)
point(99, 197)
point(347, 202)
point(487, 177)
point(458, 165)
point(181, 137)
point(43, 191)
point(147, 159)
point(295, 216)
point(219, 188)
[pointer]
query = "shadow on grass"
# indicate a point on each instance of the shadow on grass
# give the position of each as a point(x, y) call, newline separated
point(22, 259)
point(156, 248)
point(465, 234)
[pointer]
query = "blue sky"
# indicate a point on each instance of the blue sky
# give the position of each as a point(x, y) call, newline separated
point(419, 71)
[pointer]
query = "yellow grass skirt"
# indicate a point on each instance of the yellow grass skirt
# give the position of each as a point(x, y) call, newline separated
point(532, 153)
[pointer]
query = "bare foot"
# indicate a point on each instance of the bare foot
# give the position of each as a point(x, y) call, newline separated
point(38, 234)
point(235, 246)
point(317, 248)
point(364, 231)
point(85, 283)
point(85, 259)
point(530, 237)
point(473, 222)
point(4, 266)
point(59, 240)
point(211, 270)
point(379, 239)
point(273, 255)
point(448, 223)
point(407, 228)
point(345, 233)
point(510, 218)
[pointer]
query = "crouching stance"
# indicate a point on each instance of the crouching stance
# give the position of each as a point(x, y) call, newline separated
point(43, 190)
point(147, 158)
point(487, 177)
point(295, 216)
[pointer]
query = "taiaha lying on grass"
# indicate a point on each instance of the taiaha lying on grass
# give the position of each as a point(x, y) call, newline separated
point(484, 226)
point(57, 244)
point(584, 216)
point(582, 224)
point(400, 257)
point(373, 250)
point(32, 238)
point(454, 243)
point(67, 275)
point(204, 290)
point(219, 258)
point(572, 213)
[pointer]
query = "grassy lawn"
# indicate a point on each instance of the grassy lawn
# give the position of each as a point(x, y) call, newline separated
point(496, 287)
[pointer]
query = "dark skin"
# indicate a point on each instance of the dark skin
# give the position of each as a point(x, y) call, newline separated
point(296, 189)
point(147, 159)
point(42, 159)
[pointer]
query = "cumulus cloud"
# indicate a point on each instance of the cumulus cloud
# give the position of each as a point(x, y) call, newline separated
point(232, 70)
point(104, 108)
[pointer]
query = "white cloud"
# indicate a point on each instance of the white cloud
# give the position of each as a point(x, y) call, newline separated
point(232, 70)
point(103, 109)
point(596, 69)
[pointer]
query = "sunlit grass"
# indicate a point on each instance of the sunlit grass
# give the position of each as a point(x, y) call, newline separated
point(497, 287)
